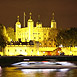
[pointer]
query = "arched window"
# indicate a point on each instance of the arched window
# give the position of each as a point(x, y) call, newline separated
point(8, 50)
point(15, 50)
point(25, 50)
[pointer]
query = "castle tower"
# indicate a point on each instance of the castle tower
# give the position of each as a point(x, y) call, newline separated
point(18, 25)
point(53, 22)
point(38, 23)
point(30, 25)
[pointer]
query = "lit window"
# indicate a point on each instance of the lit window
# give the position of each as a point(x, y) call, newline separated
point(43, 52)
point(34, 37)
point(34, 33)
point(44, 43)
point(32, 51)
point(39, 37)
point(15, 50)
point(25, 39)
point(49, 38)
point(44, 38)
point(8, 50)
point(20, 50)
point(49, 33)
point(25, 50)
point(40, 44)
point(49, 43)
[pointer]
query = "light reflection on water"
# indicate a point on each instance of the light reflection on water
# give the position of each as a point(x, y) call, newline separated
point(14, 72)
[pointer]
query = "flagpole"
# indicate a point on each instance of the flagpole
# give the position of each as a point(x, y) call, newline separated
point(24, 19)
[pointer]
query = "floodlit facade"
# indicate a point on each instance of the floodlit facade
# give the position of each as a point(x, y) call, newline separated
point(35, 41)
point(39, 35)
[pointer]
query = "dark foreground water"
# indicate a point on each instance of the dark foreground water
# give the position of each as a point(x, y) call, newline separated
point(14, 72)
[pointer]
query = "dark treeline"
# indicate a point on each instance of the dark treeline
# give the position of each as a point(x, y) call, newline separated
point(2, 36)
point(67, 37)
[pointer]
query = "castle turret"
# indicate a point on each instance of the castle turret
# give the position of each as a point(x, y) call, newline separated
point(53, 22)
point(30, 22)
point(38, 23)
point(30, 25)
point(18, 25)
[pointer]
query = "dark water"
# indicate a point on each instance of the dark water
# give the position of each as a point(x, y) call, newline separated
point(14, 72)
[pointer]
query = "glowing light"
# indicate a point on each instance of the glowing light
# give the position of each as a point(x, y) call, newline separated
point(43, 52)
point(37, 52)
point(11, 39)
point(70, 51)
point(61, 45)
point(31, 51)
point(37, 70)
point(76, 46)
point(26, 59)
point(42, 70)
point(58, 51)
point(65, 63)
point(0, 71)
point(63, 70)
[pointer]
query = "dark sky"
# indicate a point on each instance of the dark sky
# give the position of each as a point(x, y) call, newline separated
point(65, 11)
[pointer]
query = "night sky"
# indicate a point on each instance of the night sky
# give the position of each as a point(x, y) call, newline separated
point(65, 12)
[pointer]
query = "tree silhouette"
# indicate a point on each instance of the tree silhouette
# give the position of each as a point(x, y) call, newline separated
point(10, 32)
point(3, 37)
point(67, 37)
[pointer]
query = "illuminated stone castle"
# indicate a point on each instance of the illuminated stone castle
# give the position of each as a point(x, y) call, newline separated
point(37, 33)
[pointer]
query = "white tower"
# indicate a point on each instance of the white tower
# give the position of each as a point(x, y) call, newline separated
point(38, 23)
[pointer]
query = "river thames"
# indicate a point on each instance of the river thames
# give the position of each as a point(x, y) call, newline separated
point(13, 71)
